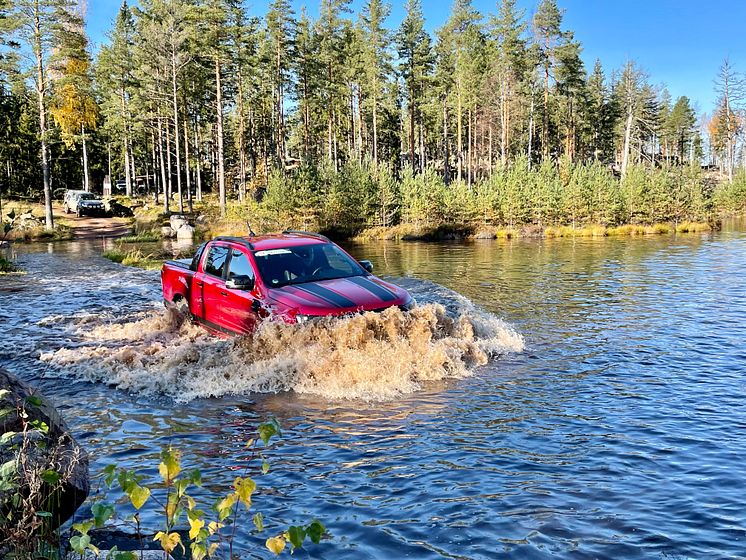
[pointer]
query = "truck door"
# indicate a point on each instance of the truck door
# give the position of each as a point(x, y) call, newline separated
point(214, 293)
point(241, 316)
point(196, 304)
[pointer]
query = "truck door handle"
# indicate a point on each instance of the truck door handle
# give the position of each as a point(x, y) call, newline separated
point(199, 284)
point(222, 293)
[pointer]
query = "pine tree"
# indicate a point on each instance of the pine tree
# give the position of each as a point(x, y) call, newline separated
point(116, 78)
point(281, 30)
point(570, 75)
point(509, 66)
point(376, 60)
point(680, 126)
point(38, 26)
point(414, 47)
point(549, 38)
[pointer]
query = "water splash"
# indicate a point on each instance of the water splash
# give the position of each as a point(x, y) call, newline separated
point(370, 356)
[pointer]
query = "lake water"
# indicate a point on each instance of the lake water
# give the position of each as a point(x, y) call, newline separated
point(612, 424)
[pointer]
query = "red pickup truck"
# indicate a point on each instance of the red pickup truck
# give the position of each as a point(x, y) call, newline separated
point(232, 283)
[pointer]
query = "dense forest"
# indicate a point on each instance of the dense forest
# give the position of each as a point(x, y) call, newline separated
point(493, 117)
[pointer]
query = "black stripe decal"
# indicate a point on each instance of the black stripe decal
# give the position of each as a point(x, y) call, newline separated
point(326, 294)
point(376, 289)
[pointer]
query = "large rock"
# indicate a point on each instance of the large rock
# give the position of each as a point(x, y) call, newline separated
point(51, 449)
point(185, 232)
point(177, 221)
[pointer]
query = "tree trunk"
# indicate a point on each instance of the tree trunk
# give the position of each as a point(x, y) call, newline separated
point(241, 140)
point(169, 169)
point(86, 182)
point(156, 183)
point(530, 130)
point(198, 157)
point(41, 90)
point(446, 162)
point(459, 134)
point(164, 181)
point(469, 153)
point(177, 134)
point(627, 138)
point(125, 140)
point(375, 122)
point(545, 125)
point(220, 154)
point(186, 165)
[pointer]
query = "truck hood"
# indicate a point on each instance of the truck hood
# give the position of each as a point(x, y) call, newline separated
point(341, 295)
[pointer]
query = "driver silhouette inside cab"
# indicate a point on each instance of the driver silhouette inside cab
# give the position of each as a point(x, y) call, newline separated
point(301, 266)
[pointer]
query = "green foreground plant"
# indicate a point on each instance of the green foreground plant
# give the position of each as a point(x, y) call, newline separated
point(31, 481)
point(212, 530)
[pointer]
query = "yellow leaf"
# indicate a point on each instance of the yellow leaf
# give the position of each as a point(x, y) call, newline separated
point(168, 541)
point(169, 466)
point(191, 504)
point(195, 526)
point(244, 489)
point(276, 544)
point(212, 549)
point(139, 495)
point(213, 527)
point(228, 501)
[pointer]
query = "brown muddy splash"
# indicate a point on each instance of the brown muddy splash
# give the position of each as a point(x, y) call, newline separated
point(371, 356)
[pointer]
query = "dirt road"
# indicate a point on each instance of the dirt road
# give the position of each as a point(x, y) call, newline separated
point(89, 227)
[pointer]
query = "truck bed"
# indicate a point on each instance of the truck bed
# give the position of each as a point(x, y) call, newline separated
point(181, 263)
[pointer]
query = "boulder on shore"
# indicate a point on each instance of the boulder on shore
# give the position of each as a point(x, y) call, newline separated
point(50, 453)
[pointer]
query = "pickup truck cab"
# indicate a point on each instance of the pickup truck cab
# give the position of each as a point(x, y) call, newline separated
point(232, 283)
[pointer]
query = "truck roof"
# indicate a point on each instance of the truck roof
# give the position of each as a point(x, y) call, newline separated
point(278, 240)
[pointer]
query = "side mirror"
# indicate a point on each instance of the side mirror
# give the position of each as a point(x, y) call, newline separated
point(241, 282)
point(367, 265)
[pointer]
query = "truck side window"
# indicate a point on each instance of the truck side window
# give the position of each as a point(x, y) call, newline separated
point(215, 263)
point(240, 265)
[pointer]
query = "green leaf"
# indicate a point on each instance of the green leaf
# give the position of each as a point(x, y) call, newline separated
point(110, 472)
point(33, 400)
point(169, 466)
point(265, 467)
point(102, 513)
point(269, 429)
point(43, 514)
point(79, 543)
point(125, 555)
point(5, 411)
point(4, 393)
point(315, 531)
point(6, 437)
point(8, 469)
point(138, 495)
point(195, 477)
point(259, 521)
point(51, 476)
point(83, 527)
point(296, 535)
point(43, 427)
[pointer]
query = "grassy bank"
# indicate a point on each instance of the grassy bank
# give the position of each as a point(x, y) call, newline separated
point(561, 199)
point(415, 233)
point(8, 267)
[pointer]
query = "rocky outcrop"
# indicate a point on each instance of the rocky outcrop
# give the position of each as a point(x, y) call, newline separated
point(51, 468)
point(181, 227)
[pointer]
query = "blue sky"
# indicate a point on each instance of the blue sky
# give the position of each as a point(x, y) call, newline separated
point(679, 43)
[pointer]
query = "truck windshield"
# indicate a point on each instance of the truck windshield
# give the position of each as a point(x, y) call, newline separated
point(305, 263)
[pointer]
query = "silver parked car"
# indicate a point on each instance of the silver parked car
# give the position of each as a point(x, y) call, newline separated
point(83, 203)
